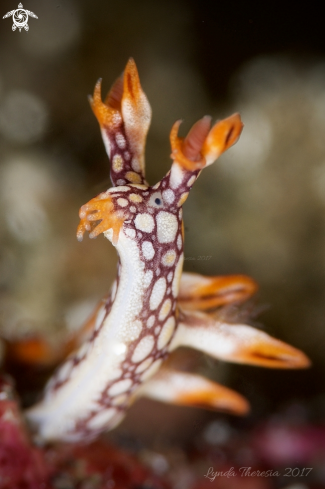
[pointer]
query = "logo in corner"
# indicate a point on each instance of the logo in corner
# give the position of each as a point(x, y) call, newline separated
point(20, 18)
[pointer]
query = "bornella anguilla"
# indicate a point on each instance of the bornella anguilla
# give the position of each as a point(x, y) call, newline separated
point(153, 307)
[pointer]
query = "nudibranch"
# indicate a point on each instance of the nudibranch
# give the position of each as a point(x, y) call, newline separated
point(153, 307)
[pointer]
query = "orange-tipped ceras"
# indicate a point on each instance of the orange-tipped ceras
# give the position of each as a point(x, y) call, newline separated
point(153, 307)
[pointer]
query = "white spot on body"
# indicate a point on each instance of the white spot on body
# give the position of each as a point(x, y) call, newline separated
point(119, 387)
point(144, 365)
point(179, 242)
point(151, 321)
point(143, 349)
point(122, 202)
point(135, 198)
point(148, 250)
point(191, 181)
point(130, 232)
point(122, 188)
point(165, 309)
point(168, 196)
point(116, 118)
point(144, 222)
point(166, 332)
point(170, 276)
point(182, 199)
point(169, 258)
point(136, 164)
point(177, 276)
point(133, 209)
point(117, 163)
point(120, 140)
point(133, 177)
point(157, 293)
point(167, 226)
point(121, 181)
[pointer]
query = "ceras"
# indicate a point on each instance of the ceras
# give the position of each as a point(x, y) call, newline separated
point(152, 308)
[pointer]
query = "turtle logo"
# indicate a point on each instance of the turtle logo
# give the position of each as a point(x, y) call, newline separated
point(20, 18)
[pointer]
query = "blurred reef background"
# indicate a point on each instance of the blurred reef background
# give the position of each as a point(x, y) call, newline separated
point(260, 210)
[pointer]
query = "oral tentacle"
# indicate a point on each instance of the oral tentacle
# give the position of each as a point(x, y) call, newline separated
point(198, 292)
point(185, 389)
point(236, 343)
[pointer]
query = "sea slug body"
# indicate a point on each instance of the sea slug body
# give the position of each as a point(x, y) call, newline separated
point(153, 307)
